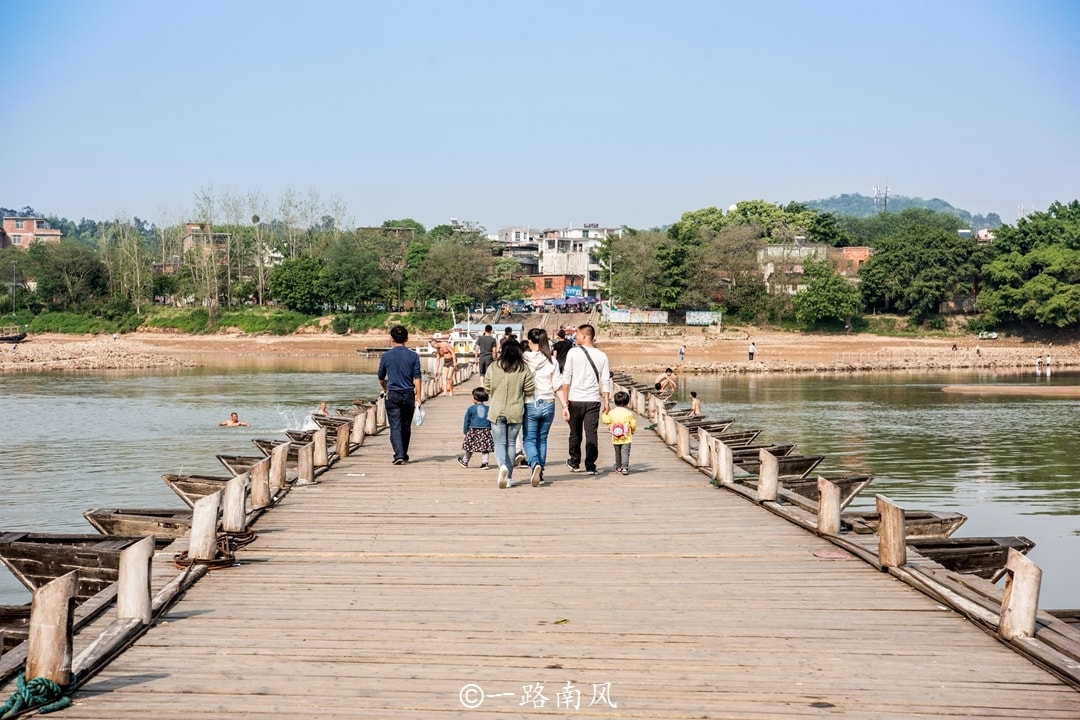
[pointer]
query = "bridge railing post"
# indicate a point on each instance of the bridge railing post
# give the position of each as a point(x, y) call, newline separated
point(768, 476)
point(704, 448)
point(1020, 602)
point(133, 581)
point(320, 457)
point(259, 474)
point(234, 504)
point(828, 515)
point(892, 539)
point(50, 642)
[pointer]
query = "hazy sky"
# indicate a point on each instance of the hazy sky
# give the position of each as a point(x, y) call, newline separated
point(542, 113)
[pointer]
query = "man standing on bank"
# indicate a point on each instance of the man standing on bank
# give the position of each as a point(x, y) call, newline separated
point(399, 374)
point(587, 377)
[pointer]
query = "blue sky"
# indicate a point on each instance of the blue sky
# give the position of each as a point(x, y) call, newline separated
point(543, 114)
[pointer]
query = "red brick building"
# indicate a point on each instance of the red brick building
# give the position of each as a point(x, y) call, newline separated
point(21, 232)
point(552, 287)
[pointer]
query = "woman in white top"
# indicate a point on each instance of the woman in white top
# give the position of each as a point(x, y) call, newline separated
point(540, 406)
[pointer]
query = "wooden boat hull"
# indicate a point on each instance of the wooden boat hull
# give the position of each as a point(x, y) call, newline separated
point(918, 524)
point(39, 558)
point(266, 446)
point(737, 438)
point(981, 556)
point(798, 466)
point(165, 525)
point(331, 422)
point(192, 488)
point(751, 453)
point(240, 464)
point(850, 486)
point(301, 436)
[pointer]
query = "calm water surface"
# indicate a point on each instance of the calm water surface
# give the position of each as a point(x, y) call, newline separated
point(72, 442)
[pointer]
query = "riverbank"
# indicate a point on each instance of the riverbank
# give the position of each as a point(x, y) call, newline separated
point(785, 352)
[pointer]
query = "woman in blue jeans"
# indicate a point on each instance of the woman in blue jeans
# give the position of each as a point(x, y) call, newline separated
point(507, 381)
point(540, 406)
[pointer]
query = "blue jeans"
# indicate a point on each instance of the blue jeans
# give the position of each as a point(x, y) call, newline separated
point(539, 416)
point(505, 436)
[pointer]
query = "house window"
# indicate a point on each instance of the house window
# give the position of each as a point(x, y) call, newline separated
point(548, 283)
point(585, 234)
point(517, 235)
point(16, 239)
point(41, 225)
point(18, 224)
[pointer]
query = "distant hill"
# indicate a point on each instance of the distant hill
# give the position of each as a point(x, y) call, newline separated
point(864, 206)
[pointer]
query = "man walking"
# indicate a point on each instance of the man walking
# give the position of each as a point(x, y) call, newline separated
point(399, 374)
point(485, 350)
point(561, 347)
point(587, 377)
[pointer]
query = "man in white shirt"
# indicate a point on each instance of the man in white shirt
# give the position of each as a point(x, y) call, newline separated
point(587, 378)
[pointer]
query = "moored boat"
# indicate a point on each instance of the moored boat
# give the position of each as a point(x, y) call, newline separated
point(736, 438)
point(192, 488)
point(12, 334)
point(164, 524)
point(36, 559)
point(787, 465)
point(981, 556)
point(918, 524)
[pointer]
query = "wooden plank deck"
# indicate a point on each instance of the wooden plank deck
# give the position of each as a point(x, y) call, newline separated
point(383, 591)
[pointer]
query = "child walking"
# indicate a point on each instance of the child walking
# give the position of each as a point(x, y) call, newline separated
point(622, 425)
point(477, 430)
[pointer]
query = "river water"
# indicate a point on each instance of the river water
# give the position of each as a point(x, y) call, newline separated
point(76, 441)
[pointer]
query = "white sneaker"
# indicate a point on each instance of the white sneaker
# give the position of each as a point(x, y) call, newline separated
point(535, 478)
point(504, 477)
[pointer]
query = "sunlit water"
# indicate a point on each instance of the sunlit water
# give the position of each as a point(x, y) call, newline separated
point(1007, 462)
point(76, 441)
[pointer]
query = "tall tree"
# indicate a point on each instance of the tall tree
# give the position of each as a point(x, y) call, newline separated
point(1034, 276)
point(828, 296)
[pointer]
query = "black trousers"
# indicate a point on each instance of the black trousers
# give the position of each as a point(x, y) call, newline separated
point(400, 406)
point(584, 419)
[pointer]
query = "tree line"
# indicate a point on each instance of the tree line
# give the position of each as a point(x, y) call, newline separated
point(302, 254)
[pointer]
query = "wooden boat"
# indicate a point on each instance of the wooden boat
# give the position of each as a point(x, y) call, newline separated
point(850, 486)
point(192, 488)
point(164, 524)
point(787, 465)
point(12, 334)
point(301, 436)
point(751, 451)
point(803, 491)
point(331, 422)
point(39, 558)
point(736, 438)
point(240, 464)
point(918, 524)
point(267, 445)
point(14, 625)
point(981, 556)
point(1071, 617)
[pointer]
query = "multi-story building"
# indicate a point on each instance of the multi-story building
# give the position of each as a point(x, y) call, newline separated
point(22, 232)
point(567, 252)
point(521, 244)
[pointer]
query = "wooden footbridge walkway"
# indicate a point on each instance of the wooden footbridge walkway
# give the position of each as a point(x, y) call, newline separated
point(423, 591)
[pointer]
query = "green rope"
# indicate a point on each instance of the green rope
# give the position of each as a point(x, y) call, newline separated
point(40, 691)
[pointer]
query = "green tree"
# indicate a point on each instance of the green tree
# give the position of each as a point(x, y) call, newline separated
point(68, 274)
point(828, 296)
point(300, 284)
point(913, 272)
point(353, 275)
point(1034, 276)
point(457, 269)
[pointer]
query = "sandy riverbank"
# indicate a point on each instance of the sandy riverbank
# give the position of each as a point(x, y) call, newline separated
point(705, 352)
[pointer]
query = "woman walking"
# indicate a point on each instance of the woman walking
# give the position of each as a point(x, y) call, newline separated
point(507, 381)
point(540, 405)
